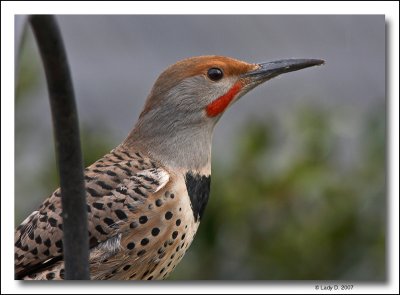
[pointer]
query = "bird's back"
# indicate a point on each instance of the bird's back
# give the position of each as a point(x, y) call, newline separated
point(140, 222)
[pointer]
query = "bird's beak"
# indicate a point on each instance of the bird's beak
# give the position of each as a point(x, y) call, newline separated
point(266, 71)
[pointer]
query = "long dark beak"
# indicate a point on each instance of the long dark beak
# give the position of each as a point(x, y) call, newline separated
point(268, 70)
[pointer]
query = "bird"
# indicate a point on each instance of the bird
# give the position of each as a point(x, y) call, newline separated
point(147, 196)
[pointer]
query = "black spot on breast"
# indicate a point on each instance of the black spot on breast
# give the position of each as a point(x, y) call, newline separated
point(58, 244)
point(155, 231)
point(126, 267)
point(144, 242)
point(109, 221)
point(198, 187)
point(93, 192)
point(98, 171)
point(53, 222)
point(117, 156)
point(143, 219)
point(34, 251)
point(38, 240)
point(88, 178)
point(121, 214)
point(122, 190)
point(139, 192)
point(100, 230)
point(124, 169)
point(104, 185)
point(50, 276)
point(145, 274)
point(98, 206)
point(111, 173)
point(93, 242)
point(162, 255)
point(47, 243)
point(43, 218)
point(168, 215)
point(132, 276)
point(18, 243)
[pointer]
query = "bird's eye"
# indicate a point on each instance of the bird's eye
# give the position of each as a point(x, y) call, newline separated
point(215, 74)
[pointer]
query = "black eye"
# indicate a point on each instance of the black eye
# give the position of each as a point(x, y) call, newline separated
point(215, 74)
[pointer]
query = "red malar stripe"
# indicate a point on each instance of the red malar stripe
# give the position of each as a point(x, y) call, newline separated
point(221, 103)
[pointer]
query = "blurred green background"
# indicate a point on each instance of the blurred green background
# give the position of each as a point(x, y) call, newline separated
point(300, 196)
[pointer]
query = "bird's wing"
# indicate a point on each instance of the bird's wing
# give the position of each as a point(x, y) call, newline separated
point(117, 187)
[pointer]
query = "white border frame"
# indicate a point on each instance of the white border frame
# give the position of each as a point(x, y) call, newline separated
point(9, 9)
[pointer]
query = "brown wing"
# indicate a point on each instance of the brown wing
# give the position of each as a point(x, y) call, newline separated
point(117, 186)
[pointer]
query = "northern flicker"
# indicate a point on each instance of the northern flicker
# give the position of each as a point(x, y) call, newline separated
point(145, 198)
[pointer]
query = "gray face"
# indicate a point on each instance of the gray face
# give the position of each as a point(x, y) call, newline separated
point(189, 99)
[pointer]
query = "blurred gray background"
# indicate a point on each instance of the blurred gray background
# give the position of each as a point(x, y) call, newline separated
point(115, 60)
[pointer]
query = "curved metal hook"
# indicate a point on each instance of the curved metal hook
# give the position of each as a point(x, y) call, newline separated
point(67, 144)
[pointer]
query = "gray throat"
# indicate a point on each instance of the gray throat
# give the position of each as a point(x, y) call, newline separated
point(175, 144)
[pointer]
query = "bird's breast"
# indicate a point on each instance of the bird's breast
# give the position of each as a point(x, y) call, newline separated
point(160, 237)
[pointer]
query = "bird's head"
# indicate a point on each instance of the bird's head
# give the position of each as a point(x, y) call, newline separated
point(190, 96)
point(208, 85)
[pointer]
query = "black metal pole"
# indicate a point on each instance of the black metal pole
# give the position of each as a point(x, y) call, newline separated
point(67, 145)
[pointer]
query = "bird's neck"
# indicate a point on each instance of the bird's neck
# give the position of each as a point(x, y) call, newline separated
point(174, 145)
